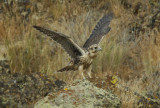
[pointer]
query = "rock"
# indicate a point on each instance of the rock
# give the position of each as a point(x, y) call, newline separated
point(81, 94)
point(19, 90)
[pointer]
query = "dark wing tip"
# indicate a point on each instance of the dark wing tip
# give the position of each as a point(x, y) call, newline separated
point(45, 31)
point(66, 42)
point(101, 29)
point(107, 18)
point(110, 14)
point(36, 27)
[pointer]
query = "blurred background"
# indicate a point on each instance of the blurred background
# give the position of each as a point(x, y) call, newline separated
point(130, 52)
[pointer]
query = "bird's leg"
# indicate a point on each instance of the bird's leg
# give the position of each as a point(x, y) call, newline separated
point(89, 74)
point(89, 71)
point(83, 75)
point(80, 69)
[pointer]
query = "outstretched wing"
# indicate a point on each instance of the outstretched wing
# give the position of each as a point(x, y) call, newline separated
point(66, 42)
point(101, 29)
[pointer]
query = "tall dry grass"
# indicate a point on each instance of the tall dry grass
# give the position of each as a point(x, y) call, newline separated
point(130, 50)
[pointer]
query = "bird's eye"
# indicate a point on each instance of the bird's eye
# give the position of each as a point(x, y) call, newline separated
point(95, 47)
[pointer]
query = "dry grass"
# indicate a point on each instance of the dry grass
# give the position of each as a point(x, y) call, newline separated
point(133, 57)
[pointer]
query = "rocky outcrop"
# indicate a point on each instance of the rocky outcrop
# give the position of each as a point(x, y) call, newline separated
point(81, 94)
point(19, 90)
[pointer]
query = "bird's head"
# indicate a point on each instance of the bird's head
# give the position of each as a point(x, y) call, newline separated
point(93, 49)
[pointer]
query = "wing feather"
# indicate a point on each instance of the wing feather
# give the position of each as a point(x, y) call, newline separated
point(66, 42)
point(101, 29)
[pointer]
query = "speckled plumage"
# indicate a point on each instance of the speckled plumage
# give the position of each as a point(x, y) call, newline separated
point(81, 57)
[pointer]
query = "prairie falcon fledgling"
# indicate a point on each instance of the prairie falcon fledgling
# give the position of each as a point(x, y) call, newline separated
point(81, 58)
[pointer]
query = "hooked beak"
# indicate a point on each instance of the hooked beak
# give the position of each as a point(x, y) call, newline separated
point(99, 49)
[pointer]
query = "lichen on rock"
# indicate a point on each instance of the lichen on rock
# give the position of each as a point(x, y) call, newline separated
point(81, 94)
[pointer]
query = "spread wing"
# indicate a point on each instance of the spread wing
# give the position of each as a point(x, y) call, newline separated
point(66, 42)
point(101, 29)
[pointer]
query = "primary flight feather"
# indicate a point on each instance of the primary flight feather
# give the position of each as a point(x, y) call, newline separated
point(81, 59)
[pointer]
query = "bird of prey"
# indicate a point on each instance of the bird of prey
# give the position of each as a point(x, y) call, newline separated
point(81, 58)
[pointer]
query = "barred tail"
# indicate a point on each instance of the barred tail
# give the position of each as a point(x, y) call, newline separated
point(67, 68)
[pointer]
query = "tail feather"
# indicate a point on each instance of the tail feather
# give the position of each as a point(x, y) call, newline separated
point(67, 68)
